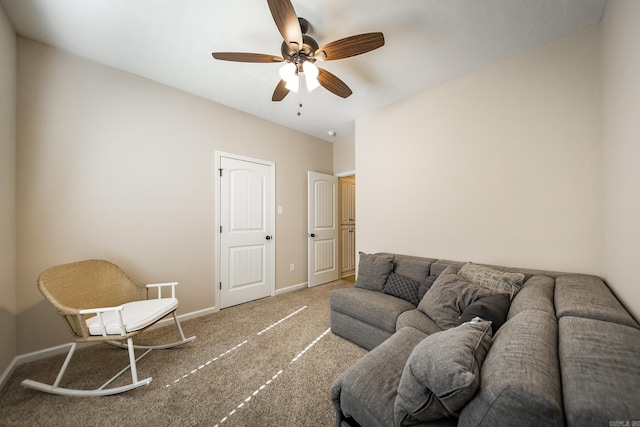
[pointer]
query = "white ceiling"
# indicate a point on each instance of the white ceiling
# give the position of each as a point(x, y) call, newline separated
point(428, 42)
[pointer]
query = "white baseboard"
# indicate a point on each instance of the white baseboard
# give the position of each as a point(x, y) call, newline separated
point(64, 348)
point(7, 373)
point(292, 288)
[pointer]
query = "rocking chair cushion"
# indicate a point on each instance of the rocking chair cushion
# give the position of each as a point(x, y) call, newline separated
point(136, 315)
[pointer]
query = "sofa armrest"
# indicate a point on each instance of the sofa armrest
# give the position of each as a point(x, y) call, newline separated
point(368, 399)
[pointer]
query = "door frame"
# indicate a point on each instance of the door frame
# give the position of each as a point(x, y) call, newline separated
point(218, 204)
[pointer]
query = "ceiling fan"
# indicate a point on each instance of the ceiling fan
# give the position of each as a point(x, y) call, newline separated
point(300, 52)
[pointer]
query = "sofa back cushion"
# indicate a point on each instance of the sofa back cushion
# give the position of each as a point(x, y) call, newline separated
point(413, 267)
point(589, 297)
point(441, 265)
point(520, 377)
point(373, 270)
point(536, 293)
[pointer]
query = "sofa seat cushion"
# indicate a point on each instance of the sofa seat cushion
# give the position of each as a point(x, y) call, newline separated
point(358, 332)
point(419, 320)
point(600, 364)
point(371, 307)
point(520, 377)
point(442, 373)
point(589, 297)
point(367, 390)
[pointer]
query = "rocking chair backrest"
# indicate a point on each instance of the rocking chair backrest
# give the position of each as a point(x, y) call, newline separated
point(86, 284)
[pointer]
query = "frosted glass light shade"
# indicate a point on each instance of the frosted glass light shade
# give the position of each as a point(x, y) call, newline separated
point(288, 73)
point(293, 83)
point(311, 73)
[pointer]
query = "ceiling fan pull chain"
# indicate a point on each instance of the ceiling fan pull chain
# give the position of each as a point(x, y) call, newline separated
point(299, 104)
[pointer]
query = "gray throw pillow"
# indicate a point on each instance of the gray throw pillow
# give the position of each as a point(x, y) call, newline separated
point(402, 287)
point(499, 282)
point(442, 373)
point(493, 308)
point(373, 270)
point(448, 297)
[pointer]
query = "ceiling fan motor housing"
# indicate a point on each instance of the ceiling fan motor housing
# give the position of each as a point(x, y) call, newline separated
point(309, 46)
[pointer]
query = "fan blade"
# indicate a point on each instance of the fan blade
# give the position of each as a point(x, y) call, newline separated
point(246, 57)
point(280, 92)
point(333, 84)
point(286, 20)
point(350, 46)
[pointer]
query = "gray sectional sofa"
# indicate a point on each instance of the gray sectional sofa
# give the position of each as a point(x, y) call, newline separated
point(568, 353)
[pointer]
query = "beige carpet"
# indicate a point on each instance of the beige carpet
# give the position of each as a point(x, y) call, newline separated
point(269, 362)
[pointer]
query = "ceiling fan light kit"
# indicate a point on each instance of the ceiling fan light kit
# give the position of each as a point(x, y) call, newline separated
point(300, 52)
point(290, 73)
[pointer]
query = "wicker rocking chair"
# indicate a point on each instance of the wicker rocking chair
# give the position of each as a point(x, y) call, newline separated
point(99, 303)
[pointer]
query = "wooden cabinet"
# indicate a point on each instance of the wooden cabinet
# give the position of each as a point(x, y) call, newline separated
point(347, 194)
point(347, 200)
point(348, 250)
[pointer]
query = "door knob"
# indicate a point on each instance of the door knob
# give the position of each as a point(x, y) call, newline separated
point(268, 237)
point(312, 235)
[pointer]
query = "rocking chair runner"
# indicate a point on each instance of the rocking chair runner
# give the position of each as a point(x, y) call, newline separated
point(99, 303)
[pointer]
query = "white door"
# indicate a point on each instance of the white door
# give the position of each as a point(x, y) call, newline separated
point(323, 229)
point(246, 230)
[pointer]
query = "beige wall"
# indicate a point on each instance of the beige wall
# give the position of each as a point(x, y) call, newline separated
point(344, 155)
point(8, 65)
point(621, 143)
point(500, 166)
point(114, 166)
